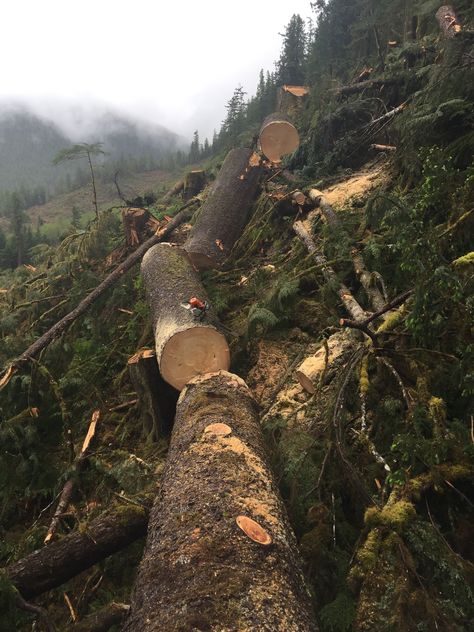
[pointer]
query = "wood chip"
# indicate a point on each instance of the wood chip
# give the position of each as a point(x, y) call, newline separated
point(7, 377)
point(253, 530)
point(91, 431)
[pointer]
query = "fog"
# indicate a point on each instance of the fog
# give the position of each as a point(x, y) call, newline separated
point(167, 63)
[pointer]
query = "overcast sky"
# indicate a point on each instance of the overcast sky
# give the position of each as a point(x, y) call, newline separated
point(173, 62)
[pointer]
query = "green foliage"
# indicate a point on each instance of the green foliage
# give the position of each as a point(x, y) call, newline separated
point(338, 615)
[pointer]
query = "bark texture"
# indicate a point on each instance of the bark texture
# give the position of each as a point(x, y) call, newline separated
point(278, 137)
point(225, 212)
point(186, 345)
point(103, 619)
point(200, 571)
point(194, 183)
point(55, 564)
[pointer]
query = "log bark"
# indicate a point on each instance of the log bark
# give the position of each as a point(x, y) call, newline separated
point(225, 211)
point(220, 552)
point(355, 88)
point(448, 22)
point(55, 564)
point(194, 183)
point(103, 619)
point(278, 137)
point(186, 344)
point(57, 329)
point(347, 299)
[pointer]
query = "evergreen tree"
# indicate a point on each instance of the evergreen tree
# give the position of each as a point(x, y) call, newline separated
point(194, 149)
point(17, 219)
point(291, 65)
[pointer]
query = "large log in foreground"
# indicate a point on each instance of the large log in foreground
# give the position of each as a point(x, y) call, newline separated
point(278, 137)
point(55, 564)
point(186, 340)
point(220, 552)
point(225, 212)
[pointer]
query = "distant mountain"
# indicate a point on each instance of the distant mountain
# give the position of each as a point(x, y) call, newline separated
point(29, 142)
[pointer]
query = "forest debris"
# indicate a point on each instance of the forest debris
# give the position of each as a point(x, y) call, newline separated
point(377, 147)
point(70, 607)
point(448, 21)
point(253, 530)
point(56, 330)
point(310, 373)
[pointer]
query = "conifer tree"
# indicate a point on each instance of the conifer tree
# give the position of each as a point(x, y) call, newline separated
point(291, 65)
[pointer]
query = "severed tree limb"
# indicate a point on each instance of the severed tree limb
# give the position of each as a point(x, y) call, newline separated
point(354, 324)
point(378, 147)
point(368, 85)
point(57, 329)
point(348, 300)
point(388, 115)
point(55, 564)
point(103, 619)
point(70, 486)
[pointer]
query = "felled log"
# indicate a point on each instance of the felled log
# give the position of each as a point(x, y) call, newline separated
point(220, 553)
point(448, 21)
point(290, 203)
point(62, 324)
point(103, 619)
point(290, 99)
point(194, 183)
point(146, 380)
point(187, 341)
point(278, 137)
point(378, 147)
point(347, 299)
point(55, 564)
point(225, 211)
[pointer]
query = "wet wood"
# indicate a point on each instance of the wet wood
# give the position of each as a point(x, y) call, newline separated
point(220, 553)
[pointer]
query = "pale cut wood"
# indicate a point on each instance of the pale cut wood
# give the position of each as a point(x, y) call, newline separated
point(185, 345)
point(320, 365)
point(220, 552)
point(278, 137)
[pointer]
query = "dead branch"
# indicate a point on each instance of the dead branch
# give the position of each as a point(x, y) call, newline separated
point(398, 300)
point(103, 619)
point(378, 147)
point(117, 274)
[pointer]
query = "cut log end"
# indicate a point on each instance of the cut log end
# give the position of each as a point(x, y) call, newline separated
point(192, 352)
point(277, 139)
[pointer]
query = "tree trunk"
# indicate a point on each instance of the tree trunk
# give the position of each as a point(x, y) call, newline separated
point(278, 137)
point(220, 552)
point(55, 564)
point(103, 619)
point(194, 183)
point(448, 21)
point(187, 341)
point(225, 212)
point(290, 99)
point(136, 222)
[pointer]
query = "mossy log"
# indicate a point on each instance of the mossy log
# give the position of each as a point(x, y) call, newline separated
point(103, 619)
point(278, 137)
point(220, 553)
point(186, 345)
point(194, 183)
point(56, 563)
point(225, 212)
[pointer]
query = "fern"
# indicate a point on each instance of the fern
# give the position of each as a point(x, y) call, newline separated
point(260, 320)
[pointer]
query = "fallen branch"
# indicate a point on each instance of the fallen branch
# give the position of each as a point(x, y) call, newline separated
point(368, 85)
point(378, 147)
point(55, 564)
point(104, 619)
point(388, 115)
point(348, 300)
point(57, 329)
point(354, 324)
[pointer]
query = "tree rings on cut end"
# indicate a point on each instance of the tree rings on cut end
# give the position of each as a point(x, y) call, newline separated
point(192, 352)
point(253, 530)
point(221, 430)
point(279, 138)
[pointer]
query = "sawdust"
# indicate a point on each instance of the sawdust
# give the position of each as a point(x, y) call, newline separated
point(358, 185)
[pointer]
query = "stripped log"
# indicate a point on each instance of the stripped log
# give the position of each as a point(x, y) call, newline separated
point(448, 22)
point(347, 299)
point(320, 367)
point(220, 552)
point(55, 564)
point(225, 212)
point(187, 341)
point(278, 137)
point(194, 183)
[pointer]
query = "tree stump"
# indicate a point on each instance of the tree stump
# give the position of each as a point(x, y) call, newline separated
point(278, 137)
point(448, 21)
point(194, 183)
point(136, 224)
point(220, 552)
point(290, 99)
point(225, 212)
point(187, 344)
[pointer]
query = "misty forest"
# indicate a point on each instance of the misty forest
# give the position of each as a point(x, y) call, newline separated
point(237, 372)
